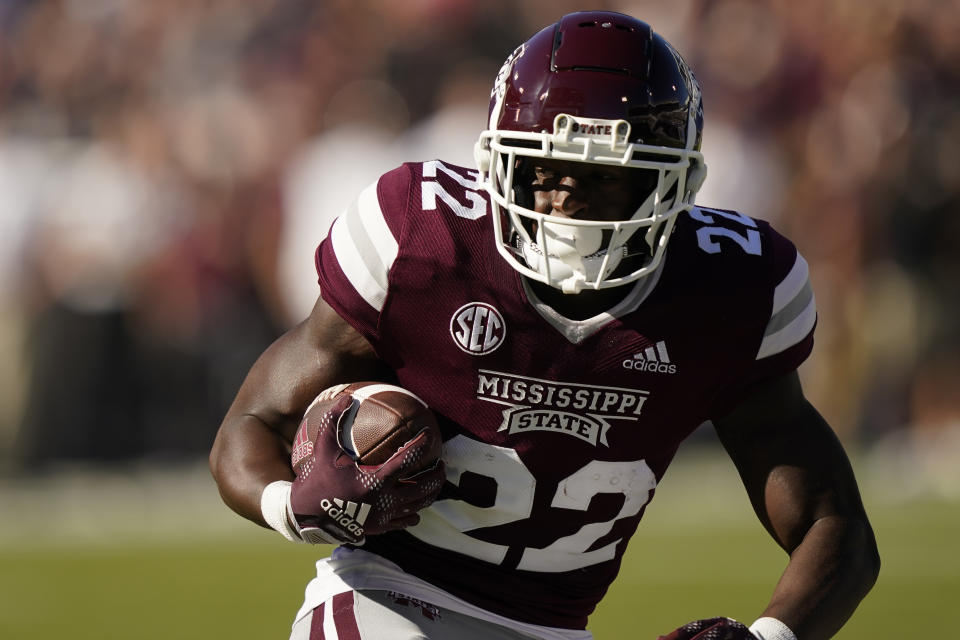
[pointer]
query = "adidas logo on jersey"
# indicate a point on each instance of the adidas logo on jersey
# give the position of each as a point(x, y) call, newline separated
point(652, 359)
point(348, 515)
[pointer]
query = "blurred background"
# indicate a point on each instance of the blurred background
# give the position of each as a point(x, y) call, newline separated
point(168, 168)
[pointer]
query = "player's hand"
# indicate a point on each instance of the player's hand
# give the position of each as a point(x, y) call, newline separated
point(711, 629)
point(335, 500)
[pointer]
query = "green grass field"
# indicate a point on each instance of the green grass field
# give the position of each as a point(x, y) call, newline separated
point(177, 565)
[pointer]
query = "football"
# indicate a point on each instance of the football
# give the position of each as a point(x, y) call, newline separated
point(382, 419)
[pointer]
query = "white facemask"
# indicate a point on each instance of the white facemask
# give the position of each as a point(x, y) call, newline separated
point(572, 254)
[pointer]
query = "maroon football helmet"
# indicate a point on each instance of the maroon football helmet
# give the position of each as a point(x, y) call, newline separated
point(596, 87)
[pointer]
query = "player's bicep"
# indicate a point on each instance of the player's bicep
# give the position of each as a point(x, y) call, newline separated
point(320, 351)
point(791, 462)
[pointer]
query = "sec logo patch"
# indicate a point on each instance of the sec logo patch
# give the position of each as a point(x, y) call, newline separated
point(477, 328)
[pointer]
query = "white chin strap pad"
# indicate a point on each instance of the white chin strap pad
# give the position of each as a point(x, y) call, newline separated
point(571, 272)
point(571, 244)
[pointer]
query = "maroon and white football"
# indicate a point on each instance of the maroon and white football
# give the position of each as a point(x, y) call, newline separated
point(382, 419)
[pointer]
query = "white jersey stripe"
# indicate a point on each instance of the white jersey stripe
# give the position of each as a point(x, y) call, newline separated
point(354, 267)
point(791, 310)
point(794, 311)
point(365, 247)
point(790, 286)
point(368, 205)
point(791, 334)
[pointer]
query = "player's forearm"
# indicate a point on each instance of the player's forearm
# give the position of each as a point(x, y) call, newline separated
point(247, 456)
point(828, 575)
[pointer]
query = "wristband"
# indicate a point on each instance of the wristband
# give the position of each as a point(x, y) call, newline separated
point(771, 629)
point(275, 507)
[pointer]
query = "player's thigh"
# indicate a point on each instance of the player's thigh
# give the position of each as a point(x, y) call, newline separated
point(386, 615)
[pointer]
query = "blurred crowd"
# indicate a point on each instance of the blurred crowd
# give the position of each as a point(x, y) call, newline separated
point(167, 169)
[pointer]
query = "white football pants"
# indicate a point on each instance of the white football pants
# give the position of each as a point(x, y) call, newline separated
point(388, 615)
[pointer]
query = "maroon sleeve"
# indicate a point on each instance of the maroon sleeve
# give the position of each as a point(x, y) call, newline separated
point(355, 259)
point(787, 338)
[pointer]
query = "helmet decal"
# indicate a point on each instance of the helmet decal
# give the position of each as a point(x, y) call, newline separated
point(500, 83)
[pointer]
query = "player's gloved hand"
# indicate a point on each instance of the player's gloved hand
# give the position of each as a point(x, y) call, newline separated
point(335, 500)
point(711, 629)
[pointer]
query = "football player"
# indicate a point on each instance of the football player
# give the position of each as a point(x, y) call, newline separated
point(571, 316)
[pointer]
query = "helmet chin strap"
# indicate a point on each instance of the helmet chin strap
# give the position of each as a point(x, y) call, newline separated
point(567, 268)
point(571, 243)
point(571, 254)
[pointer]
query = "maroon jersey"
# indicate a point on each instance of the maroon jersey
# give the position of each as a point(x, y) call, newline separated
point(556, 431)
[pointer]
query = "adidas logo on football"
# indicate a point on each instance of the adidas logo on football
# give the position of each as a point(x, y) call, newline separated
point(652, 359)
point(348, 515)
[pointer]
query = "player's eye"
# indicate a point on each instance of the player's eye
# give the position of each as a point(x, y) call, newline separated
point(544, 174)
